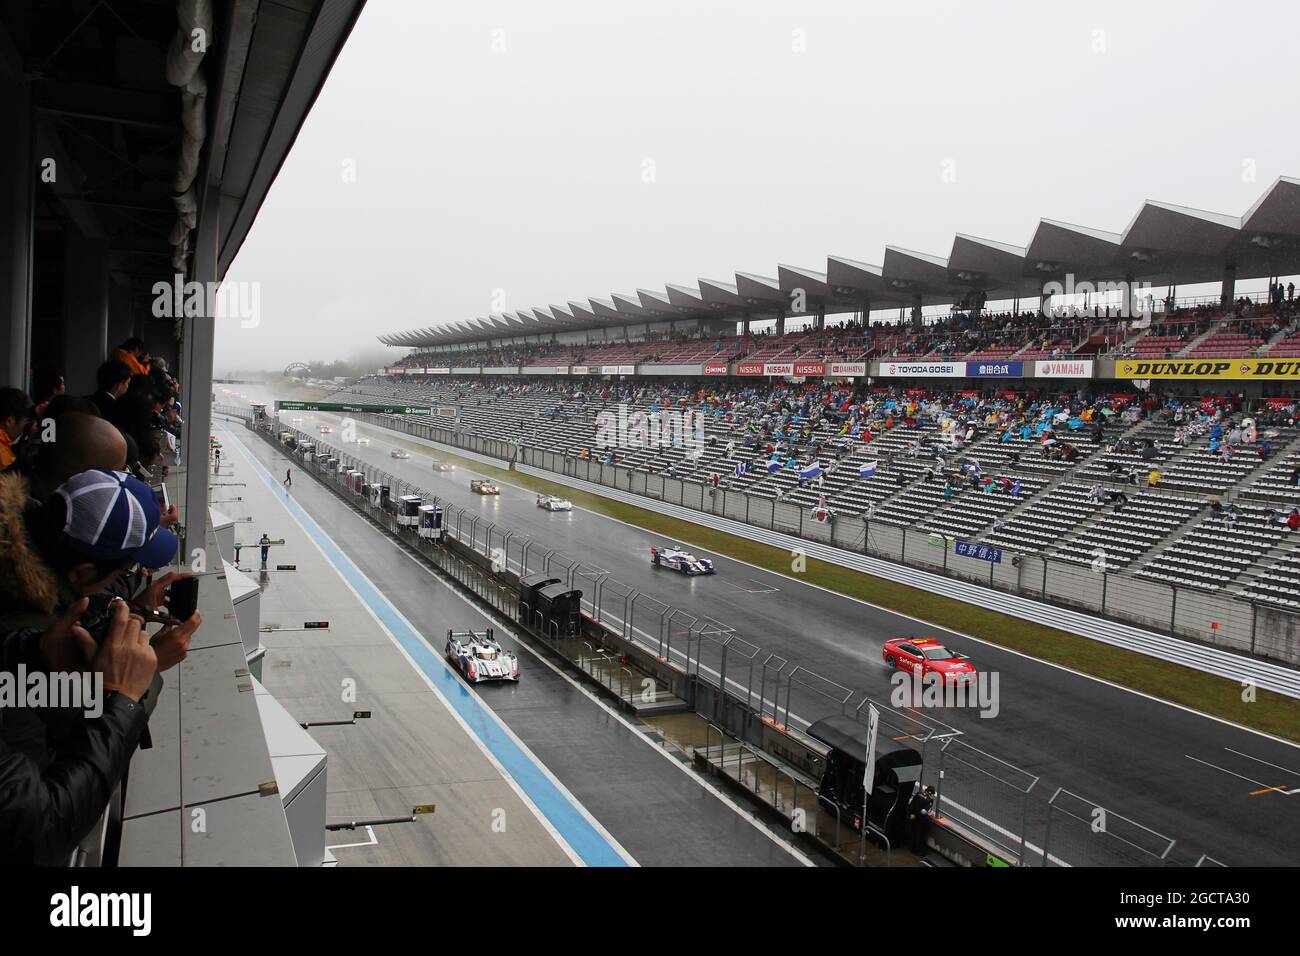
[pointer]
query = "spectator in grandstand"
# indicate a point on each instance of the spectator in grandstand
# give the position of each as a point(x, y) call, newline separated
point(61, 562)
point(133, 354)
point(1153, 478)
point(16, 415)
point(46, 385)
point(1096, 494)
point(111, 380)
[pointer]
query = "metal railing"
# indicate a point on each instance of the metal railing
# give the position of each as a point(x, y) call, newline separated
point(733, 684)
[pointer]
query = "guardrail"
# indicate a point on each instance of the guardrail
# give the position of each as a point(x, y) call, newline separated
point(1105, 606)
point(1211, 660)
point(728, 681)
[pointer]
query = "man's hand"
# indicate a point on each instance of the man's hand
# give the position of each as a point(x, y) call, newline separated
point(155, 595)
point(125, 658)
point(169, 517)
point(172, 643)
point(67, 646)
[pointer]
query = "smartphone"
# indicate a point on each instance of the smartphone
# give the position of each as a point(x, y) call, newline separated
point(160, 492)
point(183, 598)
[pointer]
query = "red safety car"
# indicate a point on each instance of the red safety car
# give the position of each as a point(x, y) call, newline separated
point(923, 656)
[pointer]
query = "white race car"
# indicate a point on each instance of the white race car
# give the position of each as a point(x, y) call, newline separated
point(552, 503)
point(680, 560)
point(399, 453)
point(326, 430)
point(363, 440)
point(484, 487)
point(480, 657)
point(442, 466)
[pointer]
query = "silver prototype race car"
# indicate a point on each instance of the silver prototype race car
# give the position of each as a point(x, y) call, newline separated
point(479, 657)
point(680, 560)
point(552, 503)
point(399, 453)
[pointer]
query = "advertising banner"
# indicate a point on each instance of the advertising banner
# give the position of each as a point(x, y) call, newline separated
point(749, 368)
point(1252, 369)
point(923, 369)
point(981, 552)
point(778, 368)
point(1063, 368)
point(1005, 369)
point(715, 368)
point(810, 368)
point(848, 368)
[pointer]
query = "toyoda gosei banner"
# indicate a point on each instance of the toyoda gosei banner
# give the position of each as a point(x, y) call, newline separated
point(923, 369)
point(848, 368)
point(715, 368)
point(1063, 368)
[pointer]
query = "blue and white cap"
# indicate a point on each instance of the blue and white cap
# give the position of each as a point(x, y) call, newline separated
point(112, 516)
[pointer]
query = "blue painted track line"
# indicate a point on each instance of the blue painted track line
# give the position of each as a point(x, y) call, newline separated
point(559, 809)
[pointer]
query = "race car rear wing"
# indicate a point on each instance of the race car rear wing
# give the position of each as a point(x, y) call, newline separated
point(469, 637)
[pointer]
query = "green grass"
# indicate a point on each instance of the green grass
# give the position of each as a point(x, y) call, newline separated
point(1217, 696)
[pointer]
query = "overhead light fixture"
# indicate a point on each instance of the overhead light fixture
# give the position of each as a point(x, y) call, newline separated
point(1047, 266)
point(1264, 242)
point(1141, 255)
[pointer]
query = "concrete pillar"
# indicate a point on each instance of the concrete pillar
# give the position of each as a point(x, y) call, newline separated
point(18, 176)
point(744, 323)
point(85, 310)
point(196, 380)
point(821, 317)
point(121, 315)
point(1228, 292)
point(916, 311)
point(780, 323)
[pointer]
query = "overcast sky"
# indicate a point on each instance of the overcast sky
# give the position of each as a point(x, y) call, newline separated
point(467, 158)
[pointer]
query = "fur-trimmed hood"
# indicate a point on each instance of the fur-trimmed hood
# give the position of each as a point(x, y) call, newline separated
point(27, 583)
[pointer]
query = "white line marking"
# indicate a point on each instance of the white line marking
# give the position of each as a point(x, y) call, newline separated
point(1231, 773)
point(483, 748)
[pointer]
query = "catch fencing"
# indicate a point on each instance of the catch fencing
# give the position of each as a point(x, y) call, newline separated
point(737, 685)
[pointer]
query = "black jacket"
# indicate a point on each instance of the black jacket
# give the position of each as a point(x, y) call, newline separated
point(45, 813)
point(50, 793)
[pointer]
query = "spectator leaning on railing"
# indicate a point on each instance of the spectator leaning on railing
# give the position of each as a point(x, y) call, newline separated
point(60, 563)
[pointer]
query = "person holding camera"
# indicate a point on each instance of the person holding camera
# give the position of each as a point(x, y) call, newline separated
point(63, 567)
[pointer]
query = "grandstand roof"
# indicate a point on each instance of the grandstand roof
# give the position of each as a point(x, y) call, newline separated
point(1162, 244)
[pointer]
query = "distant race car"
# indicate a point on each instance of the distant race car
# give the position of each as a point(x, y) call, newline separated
point(552, 503)
point(363, 440)
point(399, 453)
point(442, 466)
point(480, 657)
point(680, 560)
point(326, 430)
point(484, 487)
point(924, 655)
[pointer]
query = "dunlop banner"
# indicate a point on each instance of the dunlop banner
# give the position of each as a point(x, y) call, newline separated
point(1257, 369)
